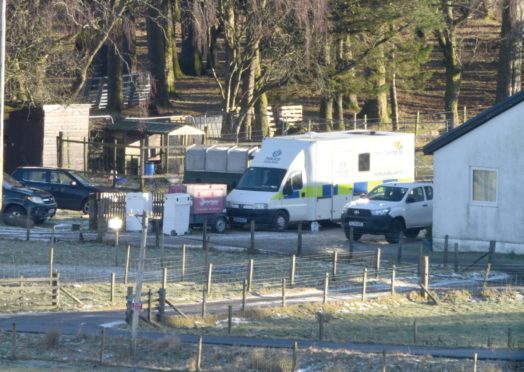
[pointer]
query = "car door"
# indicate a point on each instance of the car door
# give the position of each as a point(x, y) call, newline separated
point(416, 208)
point(428, 211)
point(63, 188)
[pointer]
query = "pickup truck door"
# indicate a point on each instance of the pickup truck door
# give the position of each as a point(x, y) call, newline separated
point(418, 212)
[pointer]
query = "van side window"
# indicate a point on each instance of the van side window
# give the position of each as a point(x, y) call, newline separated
point(296, 181)
point(429, 192)
point(363, 162)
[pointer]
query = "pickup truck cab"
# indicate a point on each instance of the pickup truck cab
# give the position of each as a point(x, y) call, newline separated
point(391, 209)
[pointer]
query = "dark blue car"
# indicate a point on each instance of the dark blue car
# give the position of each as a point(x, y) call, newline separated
point(70, 189)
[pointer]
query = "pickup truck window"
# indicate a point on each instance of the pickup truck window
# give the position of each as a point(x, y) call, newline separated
point(415, 195)
point(387, 193)
point(429, 192)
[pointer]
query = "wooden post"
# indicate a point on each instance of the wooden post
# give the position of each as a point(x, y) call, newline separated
point(161, 304)
point(393, 275)
point(149, 307)
point(475, 362)
point(320, 317)
point(55, 293)
point(102, 345)
point(28, 222)
point(183, 261)
point(415, 331)
point(283, 292)
point(445, 258)
point(364, 283)
point(13, 341)
point(299, 239)
point(334, 265)
point(204, 302)
point(292, 272)
point(491, 255)
point(164, 277)
point(326, 289)
point(399, 251)
point(424, 277)
point(129, 305)
point(377, 263)
point(229, 318)
point(486, 277)
point(199, 354)
point(51, 263)
point(85, 154)
point(455, 258)
point(244, 295)
point(252, 235)
point(112, 296)
point(126, 268)
point(250, 275)
point(60, 150)
point(294, 366)
point(209, 276)
point(204, 241)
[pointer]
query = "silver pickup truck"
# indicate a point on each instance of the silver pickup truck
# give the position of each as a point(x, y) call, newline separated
point(391, 209)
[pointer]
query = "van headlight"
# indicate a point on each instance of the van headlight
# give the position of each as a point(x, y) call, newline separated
point(36, 199)
point(380, 212)
point(260, 206)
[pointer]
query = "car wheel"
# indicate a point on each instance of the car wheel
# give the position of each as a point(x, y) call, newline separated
point(411, 233)
point(280, 221)
point(85, 206)
point(356, 234)
point(15, 215)
point(395, 230)
point(220, 225)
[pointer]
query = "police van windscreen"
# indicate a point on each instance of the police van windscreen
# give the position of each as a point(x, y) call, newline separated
point(261, 179)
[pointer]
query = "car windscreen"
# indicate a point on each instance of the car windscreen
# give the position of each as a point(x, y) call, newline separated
point(387, 193)
point(80, 178)
point(261, 179)
point(10, 182)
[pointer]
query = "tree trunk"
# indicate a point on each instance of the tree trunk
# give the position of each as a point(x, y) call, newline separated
point(115, 98)
point(190, 56)
point(510, 54)
point(394, 101)
point(382, 91)
point(248, 87)
point(170, 50)
point(129, 46)
point(326, 112)
point(339, 112)
point(157, 58)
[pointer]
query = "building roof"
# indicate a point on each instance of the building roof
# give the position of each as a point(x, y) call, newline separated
point(474, 122)
point(152, 127)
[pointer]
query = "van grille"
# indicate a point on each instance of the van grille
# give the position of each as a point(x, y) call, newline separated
point(358, 212)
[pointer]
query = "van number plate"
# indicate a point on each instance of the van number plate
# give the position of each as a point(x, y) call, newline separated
point(240, 219)
point(356, 223)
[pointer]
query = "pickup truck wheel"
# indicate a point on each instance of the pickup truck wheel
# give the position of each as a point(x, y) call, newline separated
point(356, 234)
point(15, 215)
point(220, 225)
point(396, 228)
point(411, 233)
point(280, 221)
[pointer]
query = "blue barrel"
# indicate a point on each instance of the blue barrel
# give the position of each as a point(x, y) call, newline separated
point(149, 169)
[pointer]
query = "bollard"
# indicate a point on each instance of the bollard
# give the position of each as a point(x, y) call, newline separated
point(415, 331)
point(129, 304)
point(149, 308)
point(183, 261)
point(377, 263)
point(164, 277)
point(292, 272)
point(351, 232)
point(13, 342)
point(51, 264)
point(326, 289)
point(209, 276)
point(55, 293)
point(475, 362)
point(424, 277)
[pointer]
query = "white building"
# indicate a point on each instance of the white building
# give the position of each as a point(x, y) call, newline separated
point(479, 181)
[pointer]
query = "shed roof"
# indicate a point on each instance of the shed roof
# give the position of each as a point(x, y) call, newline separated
point(474, 122)
point(153, 127)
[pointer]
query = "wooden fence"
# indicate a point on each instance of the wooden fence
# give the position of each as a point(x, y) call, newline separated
point(33, 292)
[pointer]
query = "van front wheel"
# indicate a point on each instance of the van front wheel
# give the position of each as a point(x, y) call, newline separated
point(280, 221)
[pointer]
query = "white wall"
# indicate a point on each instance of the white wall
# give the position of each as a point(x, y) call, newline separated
point(497, 144)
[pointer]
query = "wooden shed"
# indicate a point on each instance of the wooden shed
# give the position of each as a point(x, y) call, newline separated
point(30, 134)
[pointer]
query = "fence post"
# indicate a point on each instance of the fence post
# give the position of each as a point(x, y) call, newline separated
point(129, 304)
point(149, 309)
point(250, 275)
point(102, 345)
point(126, 268)
point(199, 354)
point(326, 289)
point(455, 258)
point(51, 261)
point(112, 296)
point(204, 240)
point(294, 366)
point(283, 292)
point(486, 277)
point(299, 239)
point(55, 293)
point(393, 278)
point(60, 150)
point(292, 272)
point(209, 276)
point(334, 264)
point(320, 317)
point(183, 261)
point(161, 304)
point(229, 318)
point(364, 283)
point(445, 258)
point(491, 255)
point(424, 277)
point(13, 341)
point(244, 295)
point(377, 263)
point(164, 277)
